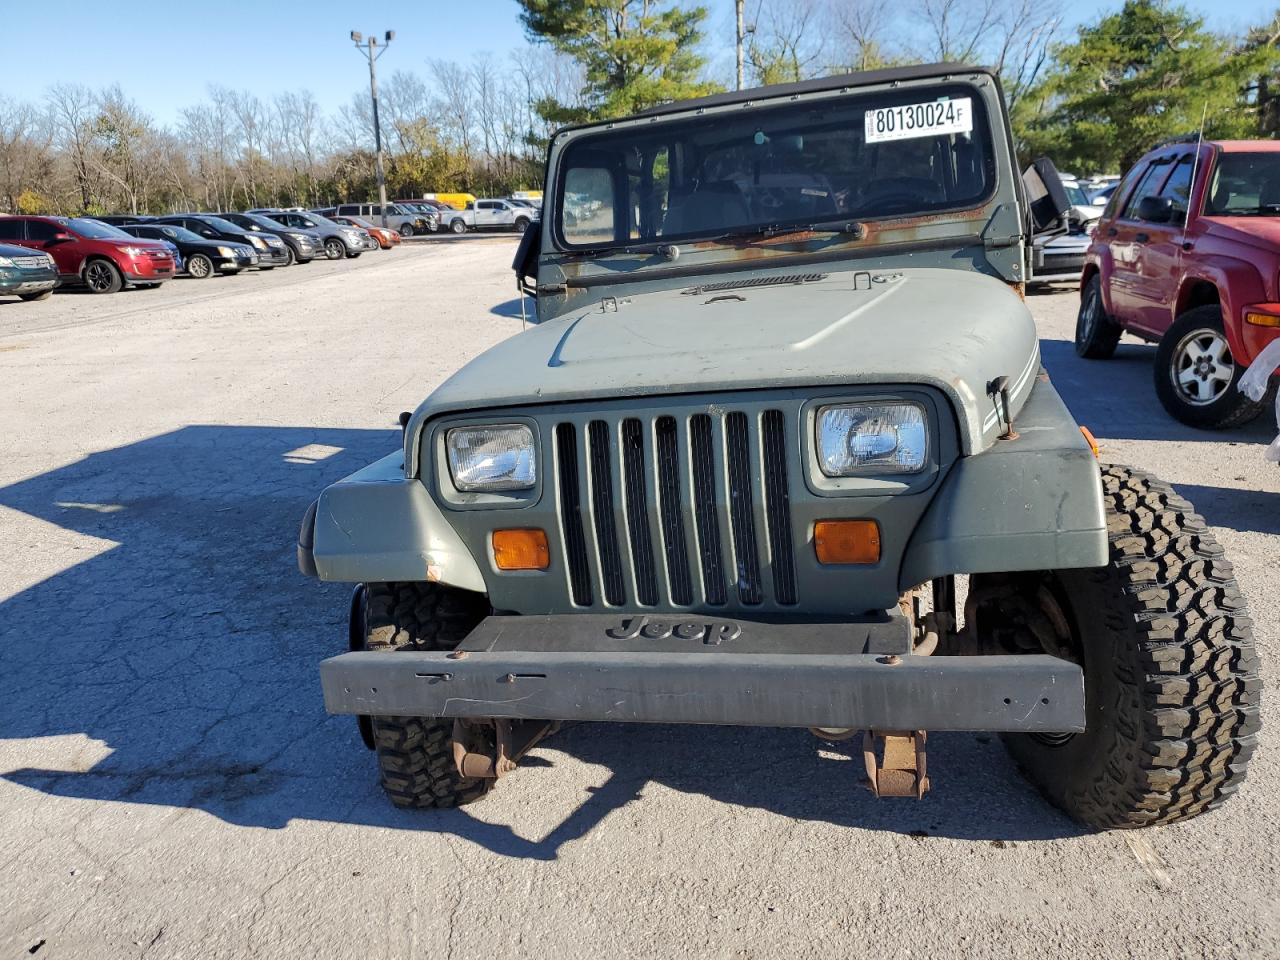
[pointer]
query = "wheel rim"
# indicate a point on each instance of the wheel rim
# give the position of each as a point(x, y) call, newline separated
point(458, 226)
point(198, 267)
point(1202, 368)
point(333, 249)
point(98, 276)
point(1088, 316)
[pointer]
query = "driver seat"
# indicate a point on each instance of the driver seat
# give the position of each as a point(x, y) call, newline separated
point(715, 205)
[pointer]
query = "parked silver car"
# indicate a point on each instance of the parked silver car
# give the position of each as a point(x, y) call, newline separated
point(405, 222)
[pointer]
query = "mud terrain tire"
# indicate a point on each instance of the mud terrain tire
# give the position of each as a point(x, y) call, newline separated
point(1171, 675)
point(415, 754)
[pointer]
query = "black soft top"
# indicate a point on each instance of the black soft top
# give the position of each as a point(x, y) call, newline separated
point(865, 79)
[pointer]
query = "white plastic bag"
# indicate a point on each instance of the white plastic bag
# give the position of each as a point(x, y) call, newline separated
point(1254, 386)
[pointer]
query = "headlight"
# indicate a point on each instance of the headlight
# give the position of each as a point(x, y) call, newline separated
point(298, 237)
point(257, 242)
point(497, 457)
point(867, 438)
point(132, 251)
point(226, 252)
point(5, 262)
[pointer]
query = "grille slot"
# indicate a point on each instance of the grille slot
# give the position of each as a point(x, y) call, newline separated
point(637, 514)
point(691, 508)
point(571, 515)
point(704, 508)
point(602, 508)
point(675, 548)
point(785, 280)
point(741, 521)
point(777, 503)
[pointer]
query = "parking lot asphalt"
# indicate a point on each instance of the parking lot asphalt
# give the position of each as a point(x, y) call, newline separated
point(170, 785)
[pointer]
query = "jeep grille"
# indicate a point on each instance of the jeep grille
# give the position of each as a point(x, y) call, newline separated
point(732, 468)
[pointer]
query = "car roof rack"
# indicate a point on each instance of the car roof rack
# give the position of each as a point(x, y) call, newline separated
point(1180, 138)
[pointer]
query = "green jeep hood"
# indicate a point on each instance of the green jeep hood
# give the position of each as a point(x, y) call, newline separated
point(953, 330)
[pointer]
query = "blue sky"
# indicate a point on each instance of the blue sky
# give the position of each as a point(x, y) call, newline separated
point(165, 57)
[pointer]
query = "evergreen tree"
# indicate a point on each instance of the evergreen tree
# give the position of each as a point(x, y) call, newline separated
point(1137, 77)
point(635, 53)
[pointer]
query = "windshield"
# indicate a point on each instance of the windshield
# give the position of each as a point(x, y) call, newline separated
point(222, 226)
point(1245, 185)
point(889, 154)
point(180, 233)
point(95, 229)
point(1077, 196)
point(316, 220)
point(258, 222)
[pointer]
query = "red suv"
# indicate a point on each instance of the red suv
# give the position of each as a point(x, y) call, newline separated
point(1187, 255)
point(86, 251)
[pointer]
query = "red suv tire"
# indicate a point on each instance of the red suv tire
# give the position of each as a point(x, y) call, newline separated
point(1195, 375)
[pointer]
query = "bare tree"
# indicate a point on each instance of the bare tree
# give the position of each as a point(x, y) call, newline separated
point(784, 41)
point(455, 105)
point(72, 109)
point(859, 35)
point(24, 151)
point(1011, 35)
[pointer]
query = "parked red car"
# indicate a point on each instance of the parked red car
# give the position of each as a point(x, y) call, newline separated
point(1187, 255)
point(86, 251)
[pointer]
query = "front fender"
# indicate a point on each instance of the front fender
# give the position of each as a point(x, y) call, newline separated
point(378, 526)
point(1238, 284)
point(1032, 503)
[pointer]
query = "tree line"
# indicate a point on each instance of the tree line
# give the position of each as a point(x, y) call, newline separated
point(451, 127)
point(1094, 98)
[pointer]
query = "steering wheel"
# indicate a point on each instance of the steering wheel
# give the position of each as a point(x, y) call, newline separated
point(894, 202)
point(771, 198)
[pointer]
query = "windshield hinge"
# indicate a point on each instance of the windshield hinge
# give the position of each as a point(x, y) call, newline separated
point(997, 235)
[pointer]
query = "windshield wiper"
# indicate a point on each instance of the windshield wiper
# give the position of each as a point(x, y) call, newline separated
point(771, 230)
point(763, 232)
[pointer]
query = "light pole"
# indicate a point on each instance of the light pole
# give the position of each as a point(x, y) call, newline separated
point(372, 52)
point(738, 11)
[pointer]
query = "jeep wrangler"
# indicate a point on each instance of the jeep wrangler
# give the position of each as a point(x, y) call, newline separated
point(779, 450)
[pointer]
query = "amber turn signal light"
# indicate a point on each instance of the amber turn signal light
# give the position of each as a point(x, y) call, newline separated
point(847, 541)
point(1091, 440)
point(1262, 319)
point(521, 550)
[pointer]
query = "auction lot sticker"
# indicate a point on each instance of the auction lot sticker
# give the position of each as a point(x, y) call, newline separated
point(911, 120)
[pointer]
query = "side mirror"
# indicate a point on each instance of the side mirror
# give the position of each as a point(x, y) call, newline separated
point(525, 263)
point(1155, 209)
point(1046, 197)
point(61, 237)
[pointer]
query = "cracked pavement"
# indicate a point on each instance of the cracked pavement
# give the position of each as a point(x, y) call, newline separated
point(171, 786)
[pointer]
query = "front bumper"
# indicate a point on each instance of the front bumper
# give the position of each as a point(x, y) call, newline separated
point(308, 250)
point(236, 264)
point(698, 669)
point(142, 271)
point(272, 257)
point(13, 282)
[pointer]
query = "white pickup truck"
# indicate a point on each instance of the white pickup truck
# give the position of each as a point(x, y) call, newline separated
point(488, 215)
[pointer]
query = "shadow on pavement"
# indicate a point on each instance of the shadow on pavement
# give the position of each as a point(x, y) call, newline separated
point(188, 646)
point(1116, 398)
point(1249, 511)
point(511, 309)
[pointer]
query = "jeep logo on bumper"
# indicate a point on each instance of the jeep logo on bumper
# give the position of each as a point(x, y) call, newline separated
point(708, 631)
